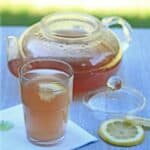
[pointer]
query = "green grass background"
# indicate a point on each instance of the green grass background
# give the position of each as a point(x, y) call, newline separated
point(27, 15)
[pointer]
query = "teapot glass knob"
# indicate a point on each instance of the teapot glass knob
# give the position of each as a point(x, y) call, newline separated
point(114, 83)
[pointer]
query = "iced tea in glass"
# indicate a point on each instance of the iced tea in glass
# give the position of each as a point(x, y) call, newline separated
point(46, 90)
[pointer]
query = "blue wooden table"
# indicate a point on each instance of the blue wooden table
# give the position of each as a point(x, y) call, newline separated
point(134, 70)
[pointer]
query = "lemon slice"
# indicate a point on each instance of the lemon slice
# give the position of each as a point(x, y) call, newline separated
point(138, 121)
point(119, 133)
point(47, 91)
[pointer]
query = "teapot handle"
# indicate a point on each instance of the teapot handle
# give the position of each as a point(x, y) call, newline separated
point(126, 27)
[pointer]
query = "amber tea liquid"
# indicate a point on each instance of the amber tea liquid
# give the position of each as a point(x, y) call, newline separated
point(83, 82)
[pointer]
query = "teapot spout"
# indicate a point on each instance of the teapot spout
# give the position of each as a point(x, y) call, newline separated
point(12, 48)
point(13, 55)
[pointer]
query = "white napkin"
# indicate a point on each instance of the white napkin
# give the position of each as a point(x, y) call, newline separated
point(16, 137)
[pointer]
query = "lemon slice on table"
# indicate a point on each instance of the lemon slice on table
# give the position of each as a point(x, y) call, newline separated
point(138, 121)
point(118, 132)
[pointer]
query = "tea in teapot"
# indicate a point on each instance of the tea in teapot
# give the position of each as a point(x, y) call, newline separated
point(92, 49)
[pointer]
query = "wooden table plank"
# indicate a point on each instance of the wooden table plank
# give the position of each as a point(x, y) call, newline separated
point(135, 71)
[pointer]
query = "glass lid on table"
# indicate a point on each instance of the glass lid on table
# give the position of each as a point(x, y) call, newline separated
point(115, 99)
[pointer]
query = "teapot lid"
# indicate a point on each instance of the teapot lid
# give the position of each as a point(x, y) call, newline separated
point(115, 99)
point(81, 40)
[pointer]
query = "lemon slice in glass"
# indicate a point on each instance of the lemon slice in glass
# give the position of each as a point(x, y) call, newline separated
point(138, 121)
point(119, 133)
point(47, 91)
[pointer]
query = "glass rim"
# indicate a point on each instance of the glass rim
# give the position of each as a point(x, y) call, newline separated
point(25, 64)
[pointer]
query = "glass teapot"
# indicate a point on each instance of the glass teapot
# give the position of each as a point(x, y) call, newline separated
point(92, 49)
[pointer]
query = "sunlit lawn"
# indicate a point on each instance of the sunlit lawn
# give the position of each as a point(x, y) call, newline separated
point(27, 14)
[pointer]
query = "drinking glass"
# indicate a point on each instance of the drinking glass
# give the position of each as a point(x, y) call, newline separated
point(46, 92)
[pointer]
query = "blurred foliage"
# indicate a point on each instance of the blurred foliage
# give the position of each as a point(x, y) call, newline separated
point(26, 15)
